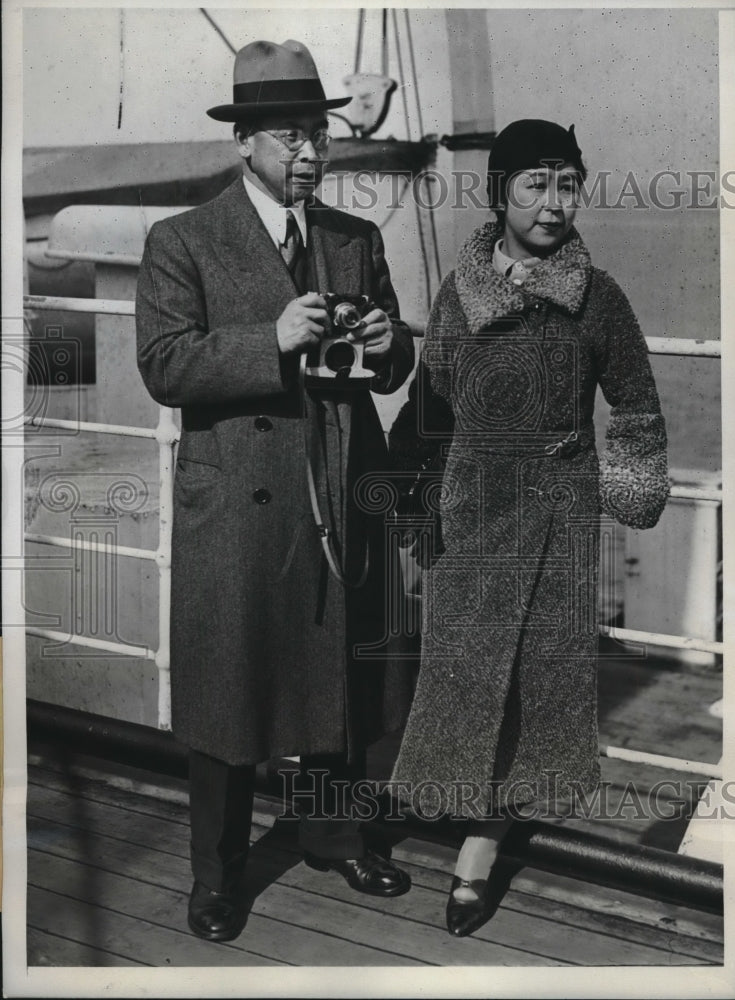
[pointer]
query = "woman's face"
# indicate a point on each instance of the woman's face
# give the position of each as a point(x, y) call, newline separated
point(540, 209)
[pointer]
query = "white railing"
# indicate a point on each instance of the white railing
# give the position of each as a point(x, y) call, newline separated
point(111, 307)
point(661, 639)
point(683, 347)
point(166, 434)
point(661, 760)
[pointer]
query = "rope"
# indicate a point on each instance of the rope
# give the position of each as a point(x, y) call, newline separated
point(414, 73)
point(345, 119)
point(384, 44)
point(358, 47)
point(432, 219)
point(434, 236)
point(400, 76)
point(422, 241)
point(219, 31)
point(122, 67)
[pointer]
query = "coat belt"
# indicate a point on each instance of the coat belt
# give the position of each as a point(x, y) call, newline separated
point(569, 445)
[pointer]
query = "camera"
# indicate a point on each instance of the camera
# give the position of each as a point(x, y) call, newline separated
point(338, 359)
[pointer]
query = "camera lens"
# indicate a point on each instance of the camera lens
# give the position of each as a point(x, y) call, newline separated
point(340, 355)
point(347, 316)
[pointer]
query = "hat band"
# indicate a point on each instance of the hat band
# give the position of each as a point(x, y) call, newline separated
point(278, 91)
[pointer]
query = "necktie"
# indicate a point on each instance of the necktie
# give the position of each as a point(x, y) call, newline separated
point(293, 245)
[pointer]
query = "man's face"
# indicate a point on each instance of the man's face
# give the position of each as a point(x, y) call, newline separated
point(288, 176)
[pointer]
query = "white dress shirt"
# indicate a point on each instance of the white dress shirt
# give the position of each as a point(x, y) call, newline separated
point(273, 214)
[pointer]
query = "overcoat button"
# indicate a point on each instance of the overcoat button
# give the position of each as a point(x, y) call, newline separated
point(263, 424)
point(262, 496)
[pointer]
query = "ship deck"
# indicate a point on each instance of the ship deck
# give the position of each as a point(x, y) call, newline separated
point(108, 881)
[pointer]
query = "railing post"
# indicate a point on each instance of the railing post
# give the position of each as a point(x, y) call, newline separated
point(166, 435)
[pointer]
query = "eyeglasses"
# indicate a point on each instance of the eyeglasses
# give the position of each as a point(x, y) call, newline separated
point(294, 138)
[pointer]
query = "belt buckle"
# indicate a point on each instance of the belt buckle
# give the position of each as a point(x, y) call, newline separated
point(558, 447)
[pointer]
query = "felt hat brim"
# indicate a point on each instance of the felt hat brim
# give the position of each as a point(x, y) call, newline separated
point(240, 112)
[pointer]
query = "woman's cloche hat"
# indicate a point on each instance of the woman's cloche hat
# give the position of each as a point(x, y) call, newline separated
point(525, 145)
point(270, 79)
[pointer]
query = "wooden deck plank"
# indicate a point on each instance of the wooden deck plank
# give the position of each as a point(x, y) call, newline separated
point(112, 908)
point(143, 829)
point(80, 783)
point(555, 939)
point(160, 824)
point(112, 930)
point(54, 949)
point(627, 913)
point(388, 921)
point(647, 912)
point(414, 923)
point(688, 922)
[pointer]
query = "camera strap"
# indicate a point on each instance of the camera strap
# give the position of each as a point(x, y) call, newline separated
point(325, 535)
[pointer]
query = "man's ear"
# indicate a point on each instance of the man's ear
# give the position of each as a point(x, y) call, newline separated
point(244, 146)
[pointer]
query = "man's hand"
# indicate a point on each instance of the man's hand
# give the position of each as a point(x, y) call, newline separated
point(302, 323)
point(377, 335)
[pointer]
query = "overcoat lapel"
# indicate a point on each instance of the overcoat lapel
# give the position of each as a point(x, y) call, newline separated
point(335, 256)
point(244, 248)
point(242, 244)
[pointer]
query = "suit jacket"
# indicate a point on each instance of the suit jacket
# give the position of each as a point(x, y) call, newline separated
point(262, 636)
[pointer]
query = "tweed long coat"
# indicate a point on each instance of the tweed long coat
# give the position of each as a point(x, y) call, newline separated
point(506, 699)
point(263, 637)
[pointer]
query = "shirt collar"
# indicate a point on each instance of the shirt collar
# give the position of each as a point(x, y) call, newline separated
point(273, 215)
point(510, 267)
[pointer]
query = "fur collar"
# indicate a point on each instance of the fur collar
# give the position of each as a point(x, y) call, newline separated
point(486, 295)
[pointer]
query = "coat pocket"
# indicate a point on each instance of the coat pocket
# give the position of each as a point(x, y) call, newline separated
point(193, 468)
point(197, 486)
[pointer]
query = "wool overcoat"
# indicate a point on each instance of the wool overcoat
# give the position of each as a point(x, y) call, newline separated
point(505, 706)
point(263, 637)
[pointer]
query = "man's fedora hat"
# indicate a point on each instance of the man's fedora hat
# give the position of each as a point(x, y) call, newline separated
point(270, 79)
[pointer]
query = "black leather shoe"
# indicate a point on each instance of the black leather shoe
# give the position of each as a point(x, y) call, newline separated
point(370, 874)
point(466, 916)
point(217, 916)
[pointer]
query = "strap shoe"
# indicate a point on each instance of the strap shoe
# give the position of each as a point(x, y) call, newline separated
point(370, 874)
point(217, 916)
point(466, 916)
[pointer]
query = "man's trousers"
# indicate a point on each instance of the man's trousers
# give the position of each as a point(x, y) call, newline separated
point(221, 805)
